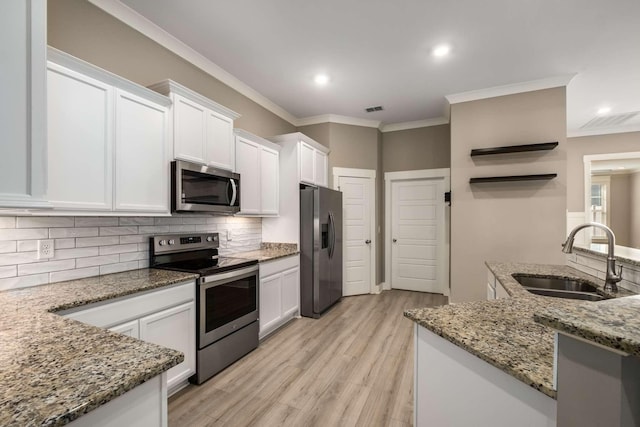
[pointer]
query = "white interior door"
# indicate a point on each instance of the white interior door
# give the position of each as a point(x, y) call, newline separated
point(356, 206)
point(418, 235)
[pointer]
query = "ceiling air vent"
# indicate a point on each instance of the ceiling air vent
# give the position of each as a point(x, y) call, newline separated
point(609, 121)
point(372, 109)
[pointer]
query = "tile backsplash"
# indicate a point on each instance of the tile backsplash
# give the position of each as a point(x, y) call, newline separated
point(88, 246)
point(596, 265)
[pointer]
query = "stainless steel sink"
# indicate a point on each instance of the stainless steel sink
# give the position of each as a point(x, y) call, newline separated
point(559, 287)
point(586, 296)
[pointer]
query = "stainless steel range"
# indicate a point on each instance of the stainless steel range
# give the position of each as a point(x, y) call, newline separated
point(226, 298)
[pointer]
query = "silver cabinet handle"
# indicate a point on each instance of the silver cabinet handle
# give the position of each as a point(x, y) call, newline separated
point(395, 240)
point(367, 241)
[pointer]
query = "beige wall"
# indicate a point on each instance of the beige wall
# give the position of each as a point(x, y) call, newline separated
point(414, 149)
point(620, 208)
point(577, 148)
point(319, 133)
point(85, 31)
point(635, 209)
point(517, 221)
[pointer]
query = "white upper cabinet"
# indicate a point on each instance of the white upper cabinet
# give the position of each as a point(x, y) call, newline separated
point(202, 128)
point(257, 162)
point(80, 134)
point(23, 146)
point(313, 160)
point(108, 141)
point(189, 126)
point(142, 157)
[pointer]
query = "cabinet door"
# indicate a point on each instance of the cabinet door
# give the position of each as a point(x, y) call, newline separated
point(270, 302)
point(321, 166)
point(219, 151)
point(248, 166)
point(269, 181)
point(290, 292)
point(501, 292)
point(189, 130)
point(307, 163)
point(141, 166)
point(131, 329)
point(80, 136)
point(174, 328)
point(23, 127)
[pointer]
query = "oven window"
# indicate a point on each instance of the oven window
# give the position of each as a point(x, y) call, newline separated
point(204, 189)
point(230, 301)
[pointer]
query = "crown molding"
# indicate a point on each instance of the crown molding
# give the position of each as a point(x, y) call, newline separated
point(139, 23)
point(393, 127)
point(335, 118)
point(492, 92)
point(603, 131)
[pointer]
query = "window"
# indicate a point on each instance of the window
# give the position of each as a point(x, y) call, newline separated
point(600, 205)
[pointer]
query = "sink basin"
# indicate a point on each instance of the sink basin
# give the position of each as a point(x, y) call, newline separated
point(559, 287)
point(556, 283)
point(585, 296)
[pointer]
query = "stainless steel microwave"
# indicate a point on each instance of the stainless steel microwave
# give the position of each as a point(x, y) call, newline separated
point(198, 188)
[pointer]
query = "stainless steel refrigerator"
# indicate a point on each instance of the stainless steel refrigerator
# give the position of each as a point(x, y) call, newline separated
point(320, 250)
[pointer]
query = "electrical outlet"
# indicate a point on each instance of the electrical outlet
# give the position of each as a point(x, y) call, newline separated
point(45, 249)
point(229, 237)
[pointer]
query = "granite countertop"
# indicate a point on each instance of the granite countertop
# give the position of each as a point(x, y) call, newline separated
point(503, 332)
point(612, 323)
point(52, 369)
point(270, 251)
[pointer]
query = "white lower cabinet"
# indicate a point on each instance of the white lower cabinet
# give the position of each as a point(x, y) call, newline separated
point(455, 388)
point(495, 290)
point(166, 317)
point(279, 293)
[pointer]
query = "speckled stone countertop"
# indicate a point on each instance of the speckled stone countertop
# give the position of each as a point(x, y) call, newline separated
point(503, 332)
point(612, 323)
point(52, 369)
point(270, 251)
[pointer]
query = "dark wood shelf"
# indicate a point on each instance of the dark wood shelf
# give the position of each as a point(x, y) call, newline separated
point(514, 149)
point(540, 177)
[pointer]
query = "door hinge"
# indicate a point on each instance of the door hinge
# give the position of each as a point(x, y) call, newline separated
point(447, 197)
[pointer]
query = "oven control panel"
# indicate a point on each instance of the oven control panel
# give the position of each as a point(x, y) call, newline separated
point(170, 243)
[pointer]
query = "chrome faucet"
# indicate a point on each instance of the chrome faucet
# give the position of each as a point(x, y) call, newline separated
point(612, 277)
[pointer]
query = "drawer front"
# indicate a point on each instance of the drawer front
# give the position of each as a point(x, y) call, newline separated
point(109, 314)
point(277, 266)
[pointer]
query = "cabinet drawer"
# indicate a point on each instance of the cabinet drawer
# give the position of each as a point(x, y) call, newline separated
point(276, 266)
point(110, 313)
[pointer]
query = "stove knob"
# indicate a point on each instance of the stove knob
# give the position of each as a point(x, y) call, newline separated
point(210, 239)
point(162, 242)
point(172, 242)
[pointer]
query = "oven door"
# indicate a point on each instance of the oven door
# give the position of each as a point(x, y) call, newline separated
point(198, 188)
point(228, 301)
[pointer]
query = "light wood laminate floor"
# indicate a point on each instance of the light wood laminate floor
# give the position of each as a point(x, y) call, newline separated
point(352, 367)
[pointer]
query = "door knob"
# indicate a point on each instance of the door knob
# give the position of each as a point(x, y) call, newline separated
point(367, 241)
point(395, 240)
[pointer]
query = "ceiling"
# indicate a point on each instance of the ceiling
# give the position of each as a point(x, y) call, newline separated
point(378, 52)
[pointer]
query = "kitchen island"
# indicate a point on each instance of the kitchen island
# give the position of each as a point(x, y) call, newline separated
point(53, 370)
point(503, 367)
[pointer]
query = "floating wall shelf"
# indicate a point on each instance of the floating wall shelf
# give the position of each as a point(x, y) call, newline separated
point(514, 149)
point(546, 176)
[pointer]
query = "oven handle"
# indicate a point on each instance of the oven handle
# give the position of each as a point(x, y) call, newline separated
point(213, 279)
point(235, 192)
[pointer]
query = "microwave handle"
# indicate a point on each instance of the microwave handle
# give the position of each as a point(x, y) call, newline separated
point(235, 192)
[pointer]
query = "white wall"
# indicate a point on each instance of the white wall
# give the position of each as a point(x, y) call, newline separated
point(89, 246)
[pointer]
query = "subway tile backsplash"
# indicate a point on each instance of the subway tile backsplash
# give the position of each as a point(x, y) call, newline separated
point(89, 246)
point(597, 266)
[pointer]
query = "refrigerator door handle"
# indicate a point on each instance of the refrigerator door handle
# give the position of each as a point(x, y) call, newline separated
point(332, 235)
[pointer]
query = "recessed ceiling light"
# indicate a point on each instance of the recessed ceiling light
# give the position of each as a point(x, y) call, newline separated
point(604, 110)
point(321, 79)
point(441, 50)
